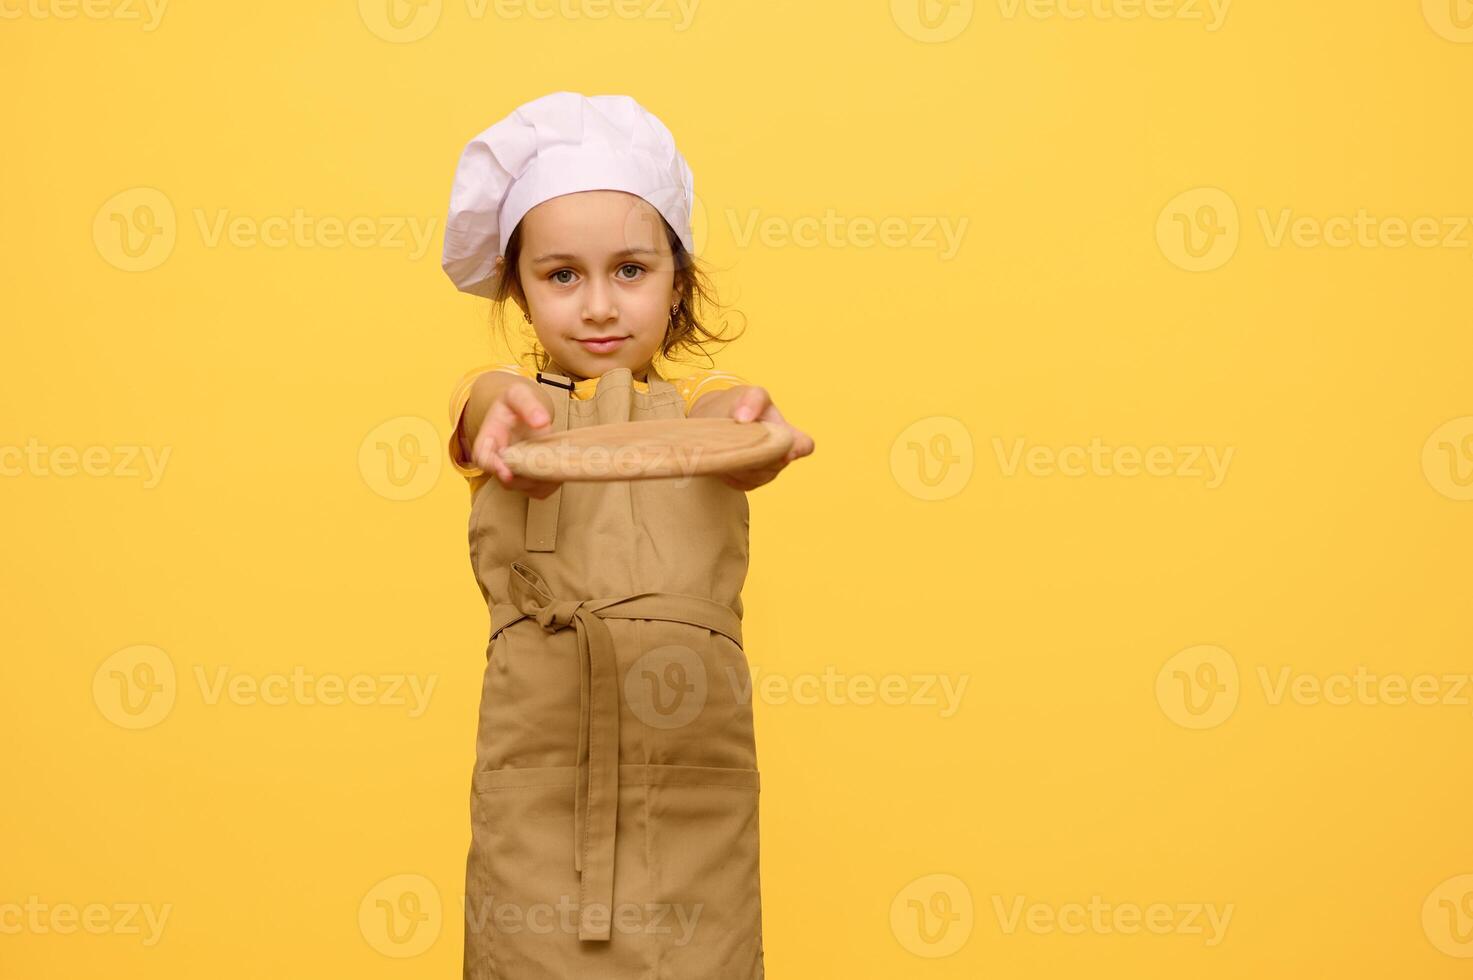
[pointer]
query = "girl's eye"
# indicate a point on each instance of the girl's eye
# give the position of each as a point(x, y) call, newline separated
point(626, 266)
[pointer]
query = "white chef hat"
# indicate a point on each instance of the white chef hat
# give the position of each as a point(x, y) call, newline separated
point(554, 145)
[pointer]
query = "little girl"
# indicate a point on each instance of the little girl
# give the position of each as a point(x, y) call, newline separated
point(614, 798)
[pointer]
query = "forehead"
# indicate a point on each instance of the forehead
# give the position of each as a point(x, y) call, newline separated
point(600, 222)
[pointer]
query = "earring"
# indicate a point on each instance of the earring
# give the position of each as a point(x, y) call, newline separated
point(527, 316)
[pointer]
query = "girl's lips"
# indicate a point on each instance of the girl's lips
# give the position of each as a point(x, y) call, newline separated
point(603, 346)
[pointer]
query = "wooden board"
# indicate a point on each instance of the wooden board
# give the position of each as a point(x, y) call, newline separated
point(649, 450)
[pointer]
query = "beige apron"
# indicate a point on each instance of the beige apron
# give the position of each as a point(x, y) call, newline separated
point(615, 796)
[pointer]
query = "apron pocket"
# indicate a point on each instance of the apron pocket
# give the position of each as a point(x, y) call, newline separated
point(703, 823)
point(686, 891)
point(520, 884)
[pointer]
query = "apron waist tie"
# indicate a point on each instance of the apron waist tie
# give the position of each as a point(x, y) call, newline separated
point(596, 789)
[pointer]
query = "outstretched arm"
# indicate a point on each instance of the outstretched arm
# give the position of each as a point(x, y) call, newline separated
point(747, 403)
point(504, 408)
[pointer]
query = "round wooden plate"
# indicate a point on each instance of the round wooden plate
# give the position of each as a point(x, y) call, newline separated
point(648, 450)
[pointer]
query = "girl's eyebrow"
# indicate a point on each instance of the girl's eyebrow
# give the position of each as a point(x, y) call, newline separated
point(565, 257)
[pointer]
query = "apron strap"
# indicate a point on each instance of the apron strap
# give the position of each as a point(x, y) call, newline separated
point(659, 386)
point(542, 514)
point(596, 788)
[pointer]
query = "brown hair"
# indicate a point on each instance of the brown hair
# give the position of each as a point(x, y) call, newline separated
point(686, 332)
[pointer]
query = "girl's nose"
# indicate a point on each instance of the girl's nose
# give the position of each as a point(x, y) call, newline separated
point(597, 301)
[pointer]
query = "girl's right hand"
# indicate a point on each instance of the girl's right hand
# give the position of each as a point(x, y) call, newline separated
point(516, 414)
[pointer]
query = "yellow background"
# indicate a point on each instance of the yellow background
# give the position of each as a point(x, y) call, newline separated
point(1065, 143)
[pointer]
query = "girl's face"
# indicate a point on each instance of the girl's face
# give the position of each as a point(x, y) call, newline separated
point(598, 279)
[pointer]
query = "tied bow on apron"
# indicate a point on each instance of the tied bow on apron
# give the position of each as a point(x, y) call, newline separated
point(596, 789)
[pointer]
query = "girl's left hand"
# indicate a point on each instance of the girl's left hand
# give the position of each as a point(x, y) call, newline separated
point(754, 403)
